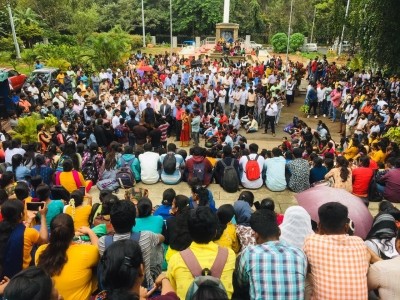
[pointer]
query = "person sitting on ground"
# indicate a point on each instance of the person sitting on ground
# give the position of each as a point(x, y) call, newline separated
point(243, 212)
point(123, 219)
point(227, 160)
point(149, 161)
point(171, 173)
point(78, 210)
point(202, 224)
point(17, 239)
point(145, 221)
point(383, 275)
point(198, 166)
point(361, 177)
point(338, 262)
point(318, 171)
point(122, 274)
point(296, 226)
point(299, 172)
point(176, 231)
point(341, 175)
point(54, 207)
point(269, 204)
point(251, 177)
point(21, 173)
point(226, 232)
point(274, 170)
point(252, 125)
point(61, 258)
point(273, 259)
point(69, 178)
point(128, 159)
point(391, 181)
point(164, 209)
point(33, 283)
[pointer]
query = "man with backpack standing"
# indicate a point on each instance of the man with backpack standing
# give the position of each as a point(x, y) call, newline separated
point(203, 256)
point(227, 171)
point(172, 165)
point(251, 166)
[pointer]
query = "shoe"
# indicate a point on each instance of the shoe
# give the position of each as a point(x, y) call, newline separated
point(324, 115)
point(273, 134)
point(316, 117)
point(308, 116)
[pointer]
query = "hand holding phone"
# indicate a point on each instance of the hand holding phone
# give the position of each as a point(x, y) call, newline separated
point(34, 206)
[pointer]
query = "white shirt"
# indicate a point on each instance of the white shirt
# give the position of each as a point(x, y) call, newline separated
point(243, 97)
point(60, 100)
point(149, 167)
point(9, 153)
point(255, 184)
point(115, 121)
point(271, 109)
point(222, 95)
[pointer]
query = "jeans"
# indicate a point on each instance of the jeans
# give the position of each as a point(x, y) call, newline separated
point(334, 112)
point(195, 138)
point(270, 120)
point(313, 105)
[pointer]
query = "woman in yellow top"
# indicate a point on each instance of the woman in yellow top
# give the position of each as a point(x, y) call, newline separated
point(377, 154)
point(17, 239)
point(352, 150)
point(69, 178)
point(226, 232)
point(341, 175)
point(78, 210)
point(70, 265)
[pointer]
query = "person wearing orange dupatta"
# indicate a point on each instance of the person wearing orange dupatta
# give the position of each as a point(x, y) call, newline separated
point(185, 132)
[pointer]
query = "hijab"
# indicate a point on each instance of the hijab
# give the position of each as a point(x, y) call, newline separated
point(296, 226)
point(242, 212)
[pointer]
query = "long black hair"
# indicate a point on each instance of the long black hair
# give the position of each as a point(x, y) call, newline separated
point(70, 150)
point(54, 257)
point(121, 266)
point(225, 214)
point(343, 164)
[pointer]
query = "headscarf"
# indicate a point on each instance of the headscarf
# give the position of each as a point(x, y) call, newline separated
point(242, 212)
point(296, 226)
point(384, 227)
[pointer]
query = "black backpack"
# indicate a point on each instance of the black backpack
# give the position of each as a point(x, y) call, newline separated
point(230, 180)
point(169, 163)
point(89, 171)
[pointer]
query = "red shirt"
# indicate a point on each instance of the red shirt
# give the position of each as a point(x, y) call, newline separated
point(361, 180)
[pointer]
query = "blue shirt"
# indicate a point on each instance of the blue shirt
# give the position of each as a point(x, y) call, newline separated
point(274, 270)
point(21, 172)
point(317, 174)
point(176, 176)
point(163, 211)
point(274, 169)
point(211, 202)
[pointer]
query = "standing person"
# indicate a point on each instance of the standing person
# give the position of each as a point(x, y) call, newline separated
point(178, 120)
point(290, 87)
point(185, 131)
point(243, 101)
point(338, 262)
point(284, 265)
point(271, 110)
point(195, 126)
point(312, 100)
point(61, 258)
point(336, 99)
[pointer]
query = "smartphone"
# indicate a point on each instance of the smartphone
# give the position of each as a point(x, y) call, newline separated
point(82, 189)
point(34, 206)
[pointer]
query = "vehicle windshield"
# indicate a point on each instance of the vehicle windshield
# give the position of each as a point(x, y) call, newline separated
point(38, 76)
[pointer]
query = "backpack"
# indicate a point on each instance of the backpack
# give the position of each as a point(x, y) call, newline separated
point(169, 163)
point(124, 175)
point(230, 180)
point(118, 132)
point(89, 171)
point(198, 170)
point(252, 169)
point(373, 193)
point(209, 277)
point(60, 167)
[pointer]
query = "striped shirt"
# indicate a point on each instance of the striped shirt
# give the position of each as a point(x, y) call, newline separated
point(274, 270)
point(339, 266)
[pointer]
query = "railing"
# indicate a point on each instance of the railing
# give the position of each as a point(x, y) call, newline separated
point(208, 41)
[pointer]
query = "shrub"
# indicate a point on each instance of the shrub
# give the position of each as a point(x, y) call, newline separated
point(137, 41)
point(279, 42)
point(26, 129)
point(296, 41)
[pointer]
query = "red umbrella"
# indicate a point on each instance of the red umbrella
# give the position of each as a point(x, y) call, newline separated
point(313, 198)
point(146, 68)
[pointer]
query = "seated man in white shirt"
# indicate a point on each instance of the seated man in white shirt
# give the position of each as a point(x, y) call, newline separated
point(149, 165)
point(252, 125)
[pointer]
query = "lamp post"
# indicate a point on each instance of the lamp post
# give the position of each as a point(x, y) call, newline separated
point(14, 35)
point(288, 36)
point(144, 32)
point(170, 24)
point(313, 23)
point(344, 26)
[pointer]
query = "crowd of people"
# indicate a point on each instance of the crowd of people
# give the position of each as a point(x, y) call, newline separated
point(114, 133)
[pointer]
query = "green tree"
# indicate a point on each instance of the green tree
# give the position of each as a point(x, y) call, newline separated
point(279, 42)
point(84, 22)
point(296, 41)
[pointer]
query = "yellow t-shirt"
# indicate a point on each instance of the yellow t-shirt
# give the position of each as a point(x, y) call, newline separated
point(60, 78)
point(31, 237)
point(76, 280)
point(81, 217)
point(350, 152)
point(181, 278)
point(68, 182)
point(378, 156)
point(229, 238)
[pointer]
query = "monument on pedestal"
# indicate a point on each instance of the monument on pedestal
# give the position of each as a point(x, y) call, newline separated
point(228, 31)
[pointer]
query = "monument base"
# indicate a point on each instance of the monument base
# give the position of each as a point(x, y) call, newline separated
point(227, 31)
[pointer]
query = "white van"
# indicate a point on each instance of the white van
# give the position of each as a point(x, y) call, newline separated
point(311, 47)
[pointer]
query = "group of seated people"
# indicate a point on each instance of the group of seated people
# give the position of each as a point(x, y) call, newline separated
point(186, 248)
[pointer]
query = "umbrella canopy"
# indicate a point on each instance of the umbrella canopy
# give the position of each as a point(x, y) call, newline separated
point(146, 68)
point(313, 198)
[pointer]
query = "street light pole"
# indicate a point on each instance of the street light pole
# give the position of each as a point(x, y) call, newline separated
point(344, 26)
point(14, 35)
point(313, 23)
point(170, 24)
point(289, 30)
point(144, 32)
